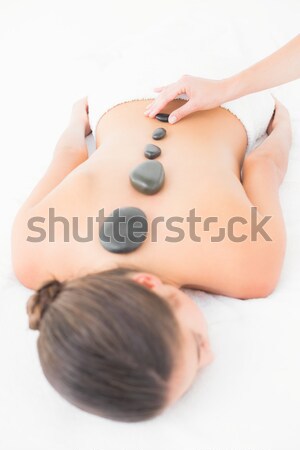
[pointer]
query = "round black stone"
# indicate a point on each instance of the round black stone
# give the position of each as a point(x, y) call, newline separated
point(152, 151)
point(159, 133)
point(162, 117)
point(124, 230)
point(148, 177)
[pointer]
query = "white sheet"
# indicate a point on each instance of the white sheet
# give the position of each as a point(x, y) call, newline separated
point(249, 398)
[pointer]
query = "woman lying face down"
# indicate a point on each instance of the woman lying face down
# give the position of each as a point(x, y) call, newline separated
point(120, 344)
point(118, 337)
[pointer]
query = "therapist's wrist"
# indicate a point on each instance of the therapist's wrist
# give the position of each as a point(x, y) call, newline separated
point(235, 86)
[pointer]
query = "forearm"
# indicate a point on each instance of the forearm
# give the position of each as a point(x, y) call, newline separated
point(275, 148)
point(278, 68)
point(69, 153)
point(73, 137)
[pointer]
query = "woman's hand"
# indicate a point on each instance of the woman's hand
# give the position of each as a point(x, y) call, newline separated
point(202, 93)
point(79, 115)
point(280, 118)
point(277, 145)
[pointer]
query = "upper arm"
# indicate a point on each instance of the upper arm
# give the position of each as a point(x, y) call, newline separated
point(61, 166)
point(27, 259)
point(55, 187)
point(261, 184)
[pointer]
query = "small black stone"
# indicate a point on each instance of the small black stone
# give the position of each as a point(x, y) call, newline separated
point(159, 133)
point(124, 230)
point(152, 151)
point(162, 117)
point(148, 177)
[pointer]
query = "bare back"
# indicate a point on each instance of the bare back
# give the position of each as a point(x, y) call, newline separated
point(202, 157)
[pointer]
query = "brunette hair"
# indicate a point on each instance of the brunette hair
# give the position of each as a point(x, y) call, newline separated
point(107, 343)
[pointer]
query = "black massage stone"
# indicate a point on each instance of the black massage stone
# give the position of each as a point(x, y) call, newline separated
point(124, 230)
point(162, 117)
point(152, 151)
point(159, 133)
point(148, 177)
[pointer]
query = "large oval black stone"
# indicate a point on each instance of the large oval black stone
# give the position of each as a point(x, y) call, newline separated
point(124, 230)
point(162, 117)
point(159, 133)
point(148, 177)
point(152, 151)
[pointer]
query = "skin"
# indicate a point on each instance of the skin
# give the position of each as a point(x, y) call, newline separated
point(195, 352)
point(203, 157)
point(204, 153)
point(280, 67)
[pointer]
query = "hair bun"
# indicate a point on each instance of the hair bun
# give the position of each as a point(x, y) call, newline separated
point(39, 302)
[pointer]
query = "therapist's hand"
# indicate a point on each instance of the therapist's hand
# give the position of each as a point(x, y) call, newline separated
point(202, 93)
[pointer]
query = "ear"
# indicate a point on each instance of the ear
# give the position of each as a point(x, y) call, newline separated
point(167, 291)
point(147, 279)
point(206, 353)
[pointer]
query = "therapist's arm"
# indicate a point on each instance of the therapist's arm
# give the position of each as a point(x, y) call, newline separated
point(280, 67)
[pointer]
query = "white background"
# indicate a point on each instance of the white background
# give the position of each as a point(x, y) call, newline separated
point(249, 399)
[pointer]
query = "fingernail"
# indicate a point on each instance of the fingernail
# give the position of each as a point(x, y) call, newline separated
point(172, 119)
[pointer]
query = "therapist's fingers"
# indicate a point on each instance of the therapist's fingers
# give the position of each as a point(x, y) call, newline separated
point(183, 111)
point(156, 89)
point(163, 99)
point(162, 90)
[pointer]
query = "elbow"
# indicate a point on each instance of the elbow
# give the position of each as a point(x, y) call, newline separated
point(24, 271)
point(26, 261)
point(260, 288)
point(23, 275)
point(257, 292)
point(259, 277)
